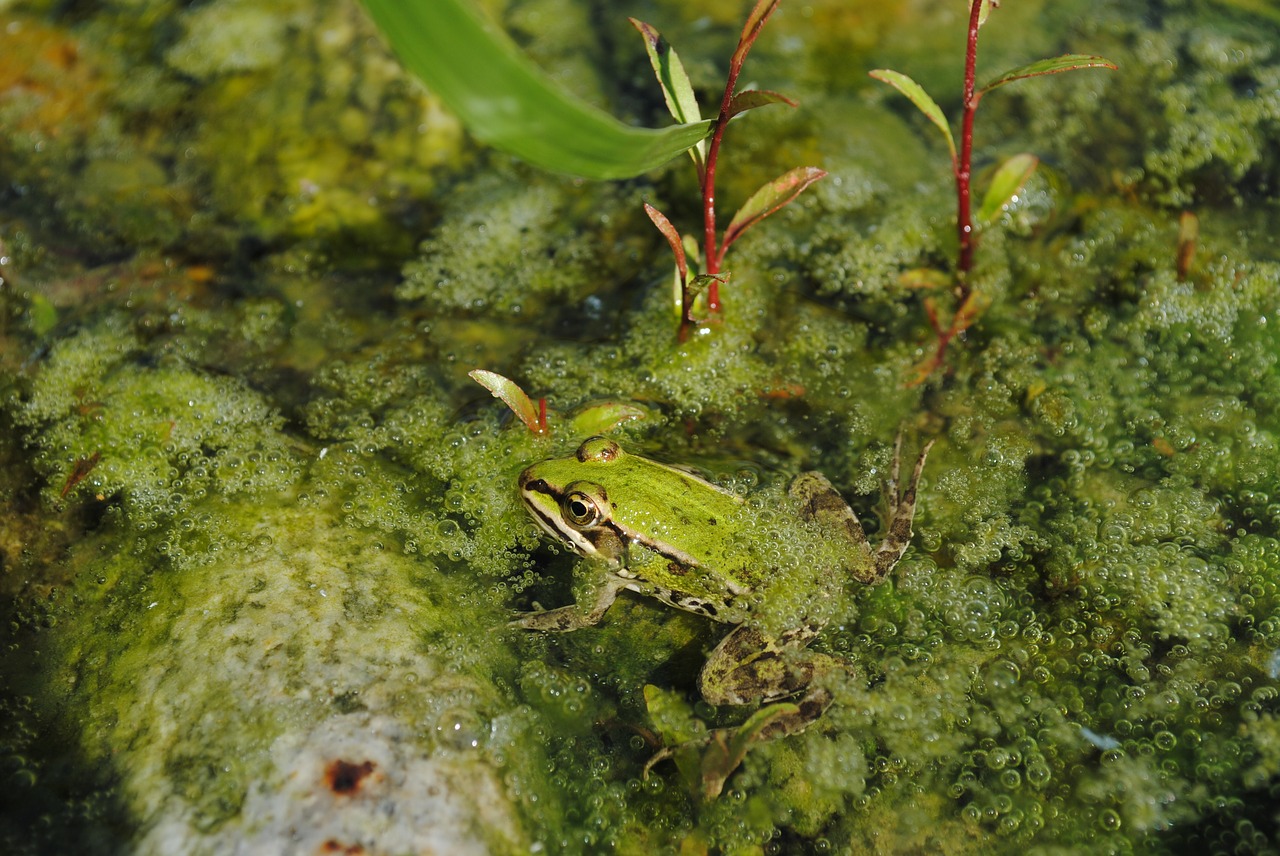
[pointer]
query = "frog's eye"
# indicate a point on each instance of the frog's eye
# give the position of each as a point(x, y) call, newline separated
point(580, 509)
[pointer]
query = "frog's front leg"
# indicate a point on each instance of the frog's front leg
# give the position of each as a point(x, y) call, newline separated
point(749, 667)
point(821, 502)
point(574, 617)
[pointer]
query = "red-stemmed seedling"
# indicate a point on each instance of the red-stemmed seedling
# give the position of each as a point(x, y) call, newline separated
point(1009, 179)
point(706, 273)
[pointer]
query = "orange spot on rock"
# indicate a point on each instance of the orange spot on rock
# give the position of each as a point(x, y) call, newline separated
point(345, 778)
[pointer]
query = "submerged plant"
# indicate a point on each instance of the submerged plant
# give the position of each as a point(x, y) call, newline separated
point(596, 418)
point(706, 272)
point(1005, 185)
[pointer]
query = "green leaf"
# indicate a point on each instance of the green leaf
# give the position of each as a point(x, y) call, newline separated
point(676, 89)
point(768, 199)
point(604, 416)
point(1007, 182)
point(1056, 65)
point(915, 92)
point(515, 397)
point(511, 104)
point(749, 99)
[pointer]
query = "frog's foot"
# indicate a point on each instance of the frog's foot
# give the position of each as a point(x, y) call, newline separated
point(902, 511)
point(573, 617)
point(709, 761)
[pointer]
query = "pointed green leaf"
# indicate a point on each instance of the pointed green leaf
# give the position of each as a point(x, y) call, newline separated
point(1007, 182)
point(514, 397)
point(926, 105)
point(749, 99)
point(1056, 65)
point(768, 199)
point(511, 104)
point(676, 89)
point(604, 416)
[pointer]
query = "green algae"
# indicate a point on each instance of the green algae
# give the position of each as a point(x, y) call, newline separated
point(299, 540)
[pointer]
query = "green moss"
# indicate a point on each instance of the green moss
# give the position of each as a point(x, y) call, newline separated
point(229, 36)
point(505, 246)
point(159, 438)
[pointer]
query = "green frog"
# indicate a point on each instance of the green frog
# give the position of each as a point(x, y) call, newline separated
point(668, 533)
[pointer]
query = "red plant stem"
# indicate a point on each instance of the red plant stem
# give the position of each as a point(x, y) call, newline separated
point(964, 215)
point(710, 252)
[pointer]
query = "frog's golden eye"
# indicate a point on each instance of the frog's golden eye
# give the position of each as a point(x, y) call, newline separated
point(580, 509)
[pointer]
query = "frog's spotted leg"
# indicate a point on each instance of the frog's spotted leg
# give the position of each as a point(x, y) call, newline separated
point(822, 502)
point(902, 511)
point(748, 667)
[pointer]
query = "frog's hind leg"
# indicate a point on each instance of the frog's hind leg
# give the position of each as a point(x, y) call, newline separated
point(822, 503)
point(748, 667)
point(902, 510)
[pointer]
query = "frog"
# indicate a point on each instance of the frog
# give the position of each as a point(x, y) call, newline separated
point(666, 532)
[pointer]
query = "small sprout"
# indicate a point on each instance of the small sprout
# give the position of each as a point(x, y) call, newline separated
point(79, 470)
point(683, 105)
point(1188, 237)
point(603, 417)
point(534, 418)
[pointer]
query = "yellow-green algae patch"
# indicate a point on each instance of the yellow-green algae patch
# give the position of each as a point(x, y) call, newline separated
point(304, 685)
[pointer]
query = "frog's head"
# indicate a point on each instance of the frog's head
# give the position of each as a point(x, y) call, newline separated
point(565, 496)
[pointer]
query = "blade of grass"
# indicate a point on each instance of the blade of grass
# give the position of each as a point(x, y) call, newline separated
point(511, 104)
